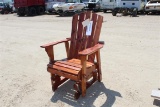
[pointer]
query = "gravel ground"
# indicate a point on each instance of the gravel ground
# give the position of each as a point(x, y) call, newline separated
point(130, 62)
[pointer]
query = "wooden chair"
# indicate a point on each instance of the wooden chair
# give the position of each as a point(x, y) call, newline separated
point(80, 65)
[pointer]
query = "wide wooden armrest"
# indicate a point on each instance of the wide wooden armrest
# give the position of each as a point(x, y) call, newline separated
point(55, 43)
point(91, 50)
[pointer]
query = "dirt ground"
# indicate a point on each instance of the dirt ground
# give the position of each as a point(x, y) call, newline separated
point(130, 62)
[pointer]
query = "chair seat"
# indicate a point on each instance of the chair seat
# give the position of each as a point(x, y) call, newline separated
point(70, 68)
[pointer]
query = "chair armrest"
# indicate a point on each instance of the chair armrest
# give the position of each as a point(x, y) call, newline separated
point(55, 43)
point(91, 50)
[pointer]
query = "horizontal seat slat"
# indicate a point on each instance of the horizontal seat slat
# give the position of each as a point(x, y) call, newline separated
point(77, 61)
point(71, 64)
point(67, 66)
point(71, 71)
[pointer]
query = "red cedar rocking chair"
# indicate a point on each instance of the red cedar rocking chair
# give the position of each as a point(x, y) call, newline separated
point(80, 65)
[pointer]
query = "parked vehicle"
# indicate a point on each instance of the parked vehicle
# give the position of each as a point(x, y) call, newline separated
point(94, 5)
point(29, 7)
point(5, 8)
point(1, 6)
point(123, 6)
point(70, 6)
point(152, 6)
point(108, 5)
point(12, 6)
point(49, 5)
point(85, 2)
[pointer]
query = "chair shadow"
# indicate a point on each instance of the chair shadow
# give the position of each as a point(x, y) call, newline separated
point(65, 93)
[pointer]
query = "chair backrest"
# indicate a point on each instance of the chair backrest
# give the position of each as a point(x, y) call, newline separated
point(79, 40)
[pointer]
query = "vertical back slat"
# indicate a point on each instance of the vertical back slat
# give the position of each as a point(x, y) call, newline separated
point(98, 30)
point(90, 39)
point(97, 34)
point(79, 34)
point(85, 38)
point(73, 36)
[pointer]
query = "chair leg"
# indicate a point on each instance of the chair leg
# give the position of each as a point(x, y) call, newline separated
point(83, 80)
point(99, 66)
point(55, 81)
point(77, 87)
point(89, 83)
point(94, 76)
point(99, 75)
